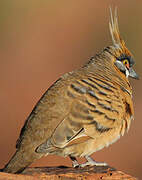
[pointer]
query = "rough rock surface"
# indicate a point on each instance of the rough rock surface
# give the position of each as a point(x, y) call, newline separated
point(67, 173)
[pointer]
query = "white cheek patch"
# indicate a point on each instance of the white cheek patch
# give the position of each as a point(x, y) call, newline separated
point(122, 68)
point(127, 72)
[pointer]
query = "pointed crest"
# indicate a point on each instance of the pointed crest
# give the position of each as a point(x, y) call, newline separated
point(114, 30)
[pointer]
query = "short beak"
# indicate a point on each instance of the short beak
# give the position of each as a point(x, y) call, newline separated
point(133, 74)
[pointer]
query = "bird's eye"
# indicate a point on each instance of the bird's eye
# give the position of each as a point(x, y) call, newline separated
point(126, 63)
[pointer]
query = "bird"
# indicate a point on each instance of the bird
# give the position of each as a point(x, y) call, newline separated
point(83, 111)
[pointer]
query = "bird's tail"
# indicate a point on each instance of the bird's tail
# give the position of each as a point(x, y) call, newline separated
point(20, 160)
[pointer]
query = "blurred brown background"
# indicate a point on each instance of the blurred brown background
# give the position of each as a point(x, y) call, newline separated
point(40, 41)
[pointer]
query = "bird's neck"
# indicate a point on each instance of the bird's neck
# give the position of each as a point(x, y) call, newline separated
point(101, 66)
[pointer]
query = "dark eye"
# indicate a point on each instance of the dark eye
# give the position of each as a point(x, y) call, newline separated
point(126, 63)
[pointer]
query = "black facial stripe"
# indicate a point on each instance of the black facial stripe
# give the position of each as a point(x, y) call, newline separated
point(129, 58)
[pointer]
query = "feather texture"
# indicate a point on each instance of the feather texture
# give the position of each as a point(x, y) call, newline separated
point(84, 111)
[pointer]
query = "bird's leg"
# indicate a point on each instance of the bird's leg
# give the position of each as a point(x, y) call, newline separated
point(74, 162)
point(91, 162)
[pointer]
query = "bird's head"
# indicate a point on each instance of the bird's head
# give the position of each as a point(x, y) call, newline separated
point(123, 59)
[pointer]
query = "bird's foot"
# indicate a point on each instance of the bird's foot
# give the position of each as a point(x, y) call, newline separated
point(75, 164)
point(91, 162)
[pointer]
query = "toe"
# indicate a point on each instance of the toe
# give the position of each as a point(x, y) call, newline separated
point(100, 164)
point(75, 164)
